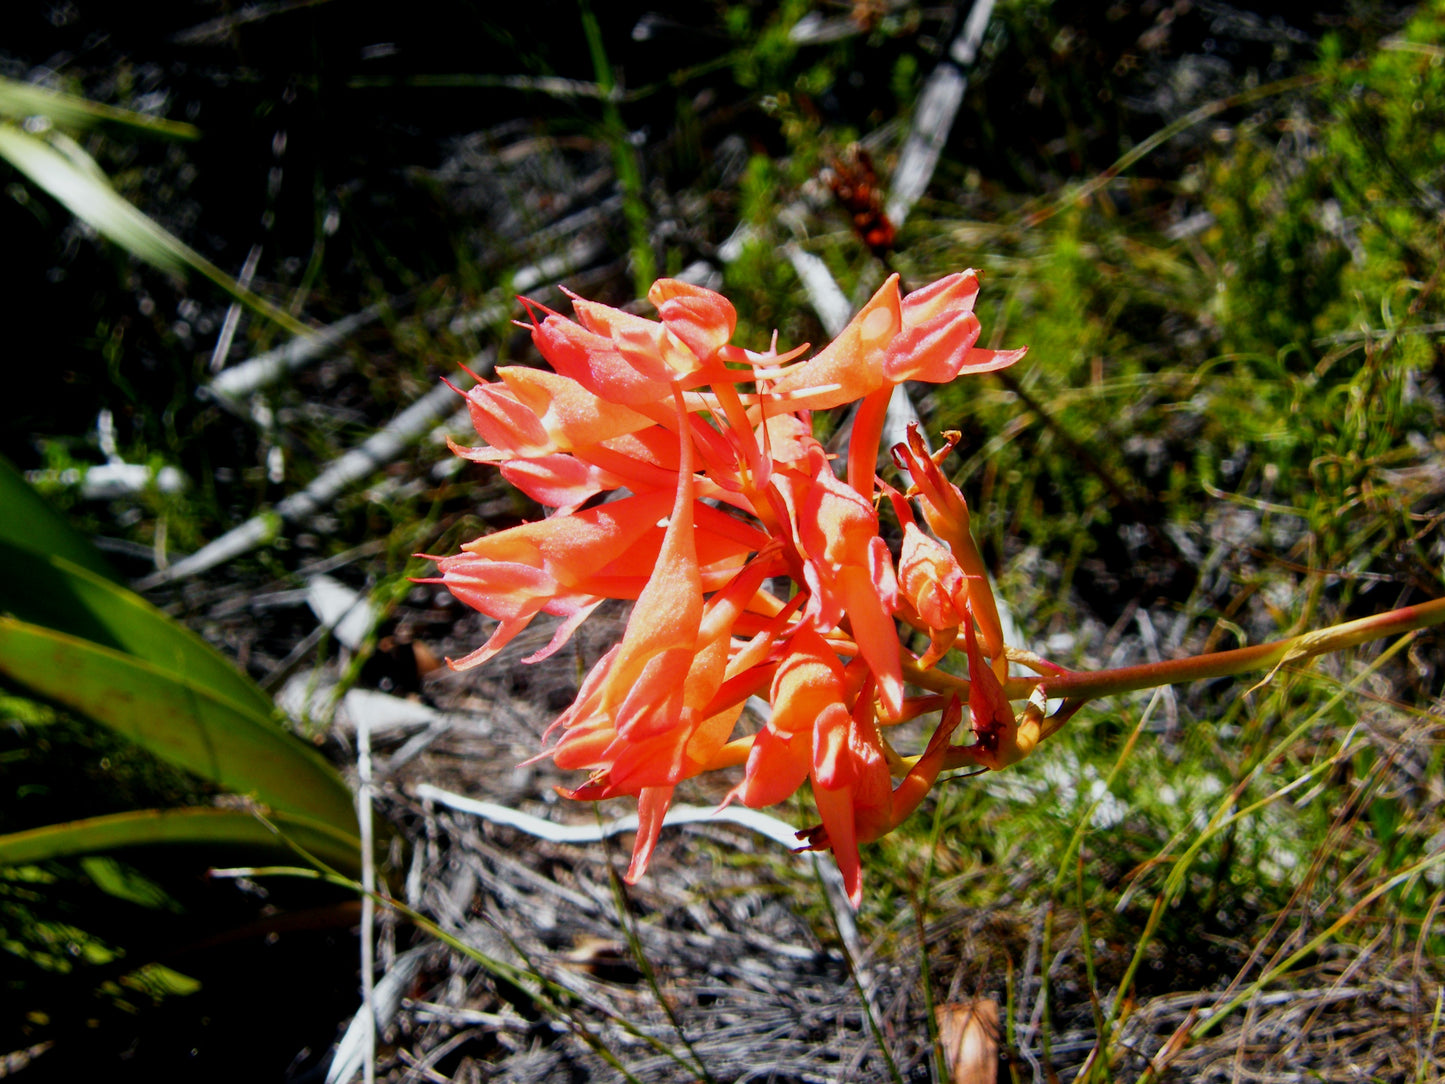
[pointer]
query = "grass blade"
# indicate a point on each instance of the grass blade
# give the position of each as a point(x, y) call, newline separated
point(21, 100)
point(74, 179)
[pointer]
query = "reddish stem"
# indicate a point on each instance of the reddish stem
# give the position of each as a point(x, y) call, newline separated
point(1085, 684)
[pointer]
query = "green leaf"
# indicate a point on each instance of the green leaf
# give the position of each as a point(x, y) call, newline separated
point(124, 883)
point(21, 100)
point(53, 592)
point(205, 827)
point(193, 727)
point(75, 180)
point(159, 981)
point(31, 524)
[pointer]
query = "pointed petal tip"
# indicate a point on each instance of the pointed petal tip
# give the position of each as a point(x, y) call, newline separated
point(532, 307)
point(990, 361)
point(652, 803)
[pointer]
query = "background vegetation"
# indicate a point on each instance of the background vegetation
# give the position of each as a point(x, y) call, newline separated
point(1217, 227)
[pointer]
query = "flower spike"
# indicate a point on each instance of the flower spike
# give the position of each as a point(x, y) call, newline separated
point(683, 476)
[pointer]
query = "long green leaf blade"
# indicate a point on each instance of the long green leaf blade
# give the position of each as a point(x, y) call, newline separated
point(77, 182)
point(21, 100)
point(233, 746)
point(193, 826)
point(52, 592)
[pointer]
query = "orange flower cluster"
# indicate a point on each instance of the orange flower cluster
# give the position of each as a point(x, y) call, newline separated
point(719, 491)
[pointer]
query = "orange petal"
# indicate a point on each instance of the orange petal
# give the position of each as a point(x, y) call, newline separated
point(563, 482)
point(777, 765)
point(661, 633)
point(851, 366)
point(652, 806)
point(934, 352)
point(808, 683)
point(863, 442)
point(990, 361)
point(875, 634)
point(505, 632)
point(835, 807)
point(704, 320)
point(506, 423)
point(954, 293)
point(572, 416)
point(594, 361)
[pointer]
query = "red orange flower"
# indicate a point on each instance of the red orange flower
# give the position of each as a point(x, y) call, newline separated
point(716, 488)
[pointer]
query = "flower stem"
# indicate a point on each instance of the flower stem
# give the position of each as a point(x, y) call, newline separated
point(1080, 685)
point(1076, 684)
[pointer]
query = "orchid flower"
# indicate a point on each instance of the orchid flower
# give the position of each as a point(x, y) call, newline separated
point(681, 473)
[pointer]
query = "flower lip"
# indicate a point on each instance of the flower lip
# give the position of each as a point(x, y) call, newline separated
point(701, 318)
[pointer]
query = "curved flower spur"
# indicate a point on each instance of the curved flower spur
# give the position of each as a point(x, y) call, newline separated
point(720, 489)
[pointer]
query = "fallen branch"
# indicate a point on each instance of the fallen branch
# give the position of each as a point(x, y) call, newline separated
point(265, 369)
point(362, 461)
point(933, 117)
